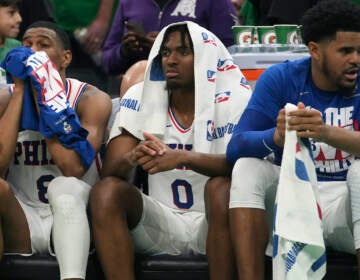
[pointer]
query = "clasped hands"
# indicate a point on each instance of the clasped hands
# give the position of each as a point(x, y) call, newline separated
point(154, 156)
point(307, 123)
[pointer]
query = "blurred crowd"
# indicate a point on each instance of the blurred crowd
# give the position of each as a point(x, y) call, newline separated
point(108, 36)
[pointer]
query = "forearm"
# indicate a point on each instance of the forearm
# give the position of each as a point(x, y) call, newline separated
point(343, 139)
point(9, 127)
point(104, 13)
point(207, 164)
point(67, 160)
point(251, 144)
point(118, 167)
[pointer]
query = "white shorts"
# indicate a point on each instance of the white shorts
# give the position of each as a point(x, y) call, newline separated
point(254, 184)
point(164, 230)
point(40, 221)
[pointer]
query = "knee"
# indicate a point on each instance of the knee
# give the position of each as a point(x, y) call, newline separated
point(68, 197)
point(68, 187)
point(109, 194)
point(217, 192)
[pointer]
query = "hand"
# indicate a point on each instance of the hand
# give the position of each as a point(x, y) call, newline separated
point(147, 149)
point(308, 123)
point(134, 42)
point(279, 134)
point(130, 44)
point(148, 40)
point(95, 36)
point(159, 157)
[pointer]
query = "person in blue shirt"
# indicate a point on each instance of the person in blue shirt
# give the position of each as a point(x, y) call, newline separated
point(325, 89)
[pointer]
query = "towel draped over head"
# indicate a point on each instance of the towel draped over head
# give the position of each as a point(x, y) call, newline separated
point(221, 94)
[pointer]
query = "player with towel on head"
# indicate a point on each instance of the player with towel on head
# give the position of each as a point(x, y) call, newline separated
point(175, 125)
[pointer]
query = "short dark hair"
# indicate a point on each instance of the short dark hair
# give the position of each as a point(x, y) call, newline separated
point(60, 33)
point(9, 3)
point(327, 17)
point(184, 31)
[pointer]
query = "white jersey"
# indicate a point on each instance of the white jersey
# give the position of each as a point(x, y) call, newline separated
point(32, 168)
point(180, 188)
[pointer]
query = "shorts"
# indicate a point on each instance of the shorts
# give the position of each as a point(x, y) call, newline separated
point(40, 221)
point(258, 190)
point(164, 230)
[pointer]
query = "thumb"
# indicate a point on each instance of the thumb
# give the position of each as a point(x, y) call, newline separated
point(301, 105)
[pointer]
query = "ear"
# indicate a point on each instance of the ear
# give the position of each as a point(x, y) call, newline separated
point(314, 50)
point(66, 59)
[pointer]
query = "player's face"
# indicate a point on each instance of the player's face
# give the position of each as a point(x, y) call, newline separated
point(178, 62)
point(44, 39)
point(341, 60)
point(10, 20)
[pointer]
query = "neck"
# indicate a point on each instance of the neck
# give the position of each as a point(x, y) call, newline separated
point(63, 76)
point(319, 79)
point(183, 106)
point(182, 101)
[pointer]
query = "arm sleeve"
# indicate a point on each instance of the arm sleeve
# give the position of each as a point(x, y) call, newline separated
point(252, 132)
point(253, 135)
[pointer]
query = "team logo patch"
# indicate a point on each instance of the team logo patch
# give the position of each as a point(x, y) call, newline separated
point(222, 96)
point(208, 39)
point(67, 127)
point(226, 65)
point(216, 132)
point(211, 76)
point(210, 130)
point(244, 83)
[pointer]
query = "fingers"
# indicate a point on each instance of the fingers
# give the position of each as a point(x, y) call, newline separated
point(280, 123)
point(155, 143)
point(151, 166)
point(301, 118)
point(92, 42)
point(148, 148)
point(301, 105)
point(307, 123)
point(130, 44)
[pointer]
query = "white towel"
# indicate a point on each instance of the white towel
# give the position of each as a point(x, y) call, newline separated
point(299, 250)
point(218, 81)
